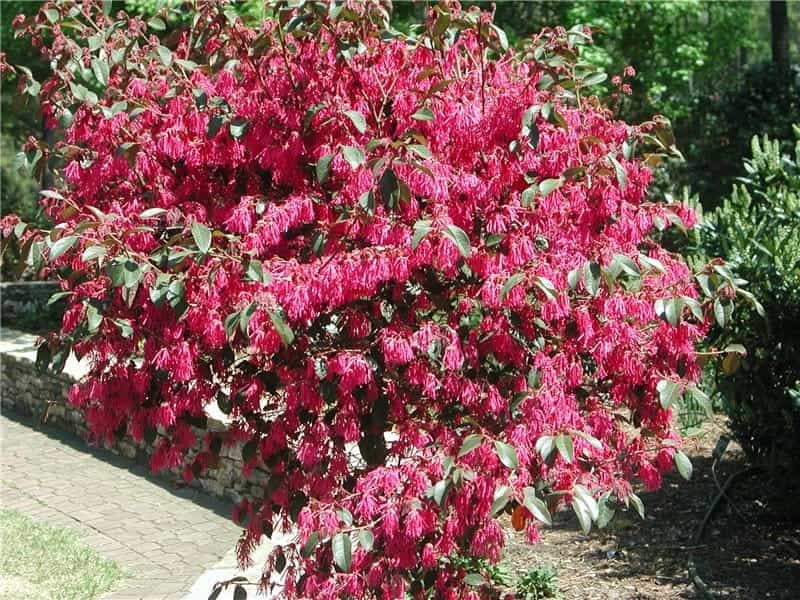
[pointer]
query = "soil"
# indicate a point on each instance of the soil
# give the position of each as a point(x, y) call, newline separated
point(750, 547)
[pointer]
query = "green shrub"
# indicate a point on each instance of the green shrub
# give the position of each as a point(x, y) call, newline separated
point(721, 124)
point(757, 230)
point(19, 191)
point(539, 582)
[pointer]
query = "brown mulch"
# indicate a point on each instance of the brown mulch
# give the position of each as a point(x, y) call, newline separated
point(750, 548)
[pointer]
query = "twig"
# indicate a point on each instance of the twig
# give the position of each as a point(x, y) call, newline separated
point(711, 509)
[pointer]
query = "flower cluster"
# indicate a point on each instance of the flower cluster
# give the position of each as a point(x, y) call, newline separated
point(417, 272)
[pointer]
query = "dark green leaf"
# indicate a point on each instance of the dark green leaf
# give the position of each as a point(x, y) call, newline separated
point(459, 238)
point(214, 125)
point(282, 327)
point(323, 167)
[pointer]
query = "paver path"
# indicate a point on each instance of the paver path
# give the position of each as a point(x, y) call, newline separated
point(165, 537)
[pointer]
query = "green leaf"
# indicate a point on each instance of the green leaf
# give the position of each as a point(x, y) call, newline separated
point(606, 510)
point(619, 170)
point(672, 311)
point(565, 447)
point(507, 454)
point(157, 23)
point(423, 114)
point(668, 392)
point(637, 503)
point(323, 168)
point(420, 150)
point(101, 71)
point(353, 156)
point(547, 287)
point(149, 213)
point(231, 323)
point(438, 491)
point(501, 495)
point(583, 515)
point(390, 188)
point(536, 506)
point(58, 296)
point(684, 465)
point(93, 252)
point(366, 539)
point(311, 543)
point(62, 245)
point(202, 236)
point(470, 443)
point(124, 326)
point(93, 317)
point(238, 127)
point(165, 55)
point(246, 315)
point(459, 238)
point(737, 348)
point(421, 229)
point(255, 272)
point(214, 125)
point(545, 446)
point(282, 327)
point(595, 78)
point(475, 579)
point(52, 15)
point(549, 185)
point(591, 278)
point(342, 552)
point(585, 506)
point(512, 281)
point(358, 120)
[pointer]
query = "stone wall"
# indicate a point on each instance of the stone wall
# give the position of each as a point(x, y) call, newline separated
point(44, 396)
point(24, 305)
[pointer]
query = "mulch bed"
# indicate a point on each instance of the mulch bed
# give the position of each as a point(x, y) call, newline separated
point(750, 548)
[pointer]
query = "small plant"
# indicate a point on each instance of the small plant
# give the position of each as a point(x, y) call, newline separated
point(540, 582)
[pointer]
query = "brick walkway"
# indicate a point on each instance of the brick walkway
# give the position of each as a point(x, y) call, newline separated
point(165, 537)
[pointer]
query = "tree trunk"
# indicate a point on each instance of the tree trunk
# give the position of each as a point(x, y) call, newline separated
point(779, 24)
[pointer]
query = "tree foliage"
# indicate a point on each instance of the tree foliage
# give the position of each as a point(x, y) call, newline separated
point(757, 229)
point(417, 271)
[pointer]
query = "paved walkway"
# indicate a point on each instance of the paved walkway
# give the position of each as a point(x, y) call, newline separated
point(164, 536)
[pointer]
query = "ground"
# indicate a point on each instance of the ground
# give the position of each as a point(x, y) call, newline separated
point(163, 536)
point(750, 548)
point(40, 562)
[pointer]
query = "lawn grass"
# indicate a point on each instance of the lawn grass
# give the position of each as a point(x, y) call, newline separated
point(38, 562)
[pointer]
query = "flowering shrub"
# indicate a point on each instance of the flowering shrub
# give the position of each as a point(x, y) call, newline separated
point(415, 271)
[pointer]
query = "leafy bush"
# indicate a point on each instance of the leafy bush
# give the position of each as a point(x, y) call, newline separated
point(723, 121)
point(757, 230)
point(19, 191)
point(416, 271)
point(540, 582)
